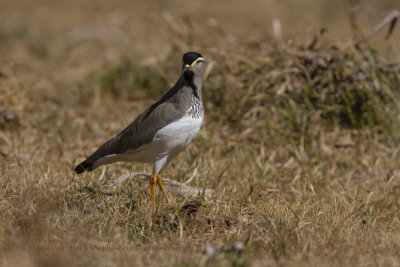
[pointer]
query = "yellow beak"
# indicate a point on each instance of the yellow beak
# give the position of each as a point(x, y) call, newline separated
point(193, 63)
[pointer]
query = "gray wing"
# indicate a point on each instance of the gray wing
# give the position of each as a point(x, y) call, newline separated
point(140, 132)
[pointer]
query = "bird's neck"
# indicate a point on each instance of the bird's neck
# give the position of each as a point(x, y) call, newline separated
point(195, 108)
point(195, 84)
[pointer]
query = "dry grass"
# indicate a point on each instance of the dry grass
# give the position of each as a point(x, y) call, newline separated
point(300, 142)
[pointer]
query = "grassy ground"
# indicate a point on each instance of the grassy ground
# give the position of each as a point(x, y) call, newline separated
point(300, 141)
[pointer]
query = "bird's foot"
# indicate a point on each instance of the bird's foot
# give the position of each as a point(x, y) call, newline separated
point(153, 181)
point(163, 189)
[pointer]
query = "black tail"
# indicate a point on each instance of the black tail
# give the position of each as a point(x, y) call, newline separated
point(83, 166)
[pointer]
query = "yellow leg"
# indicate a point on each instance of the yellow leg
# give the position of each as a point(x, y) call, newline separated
point(153, 180)
point(162, 189)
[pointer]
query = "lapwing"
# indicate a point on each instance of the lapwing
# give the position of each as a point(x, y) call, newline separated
point(162, 131)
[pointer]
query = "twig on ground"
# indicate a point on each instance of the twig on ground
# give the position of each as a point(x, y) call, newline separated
point(174, 186)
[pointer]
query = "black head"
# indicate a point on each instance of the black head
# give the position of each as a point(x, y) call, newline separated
point(192, 66)
point(189, 58)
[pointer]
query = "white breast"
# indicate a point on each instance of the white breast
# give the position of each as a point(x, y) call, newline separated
point(179, 133)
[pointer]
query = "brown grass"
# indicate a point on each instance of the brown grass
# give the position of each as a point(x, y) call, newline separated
point(300, 143)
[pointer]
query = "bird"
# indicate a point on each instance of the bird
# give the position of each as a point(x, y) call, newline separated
point(162, 131)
